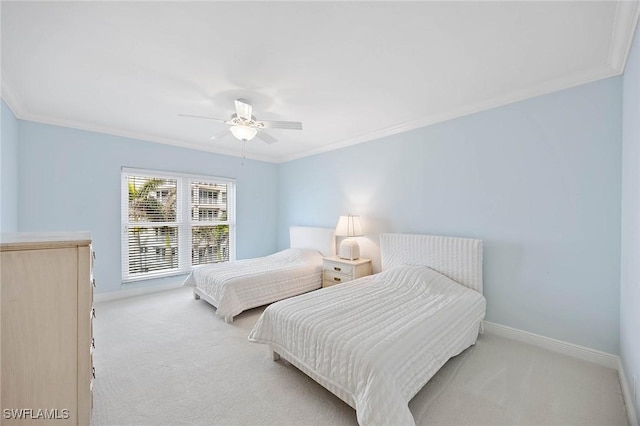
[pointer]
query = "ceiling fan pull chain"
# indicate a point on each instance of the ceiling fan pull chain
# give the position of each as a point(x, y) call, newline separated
point(244, 143)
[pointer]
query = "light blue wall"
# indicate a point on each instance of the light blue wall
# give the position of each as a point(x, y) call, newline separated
point(538, 181)
point(70, 180)
point(8, 170)
point(630, 270)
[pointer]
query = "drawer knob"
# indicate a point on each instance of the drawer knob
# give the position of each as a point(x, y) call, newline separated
point(337, 279)
point(337, 269)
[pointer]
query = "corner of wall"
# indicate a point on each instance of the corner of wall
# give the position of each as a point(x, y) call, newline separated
point(8, 169)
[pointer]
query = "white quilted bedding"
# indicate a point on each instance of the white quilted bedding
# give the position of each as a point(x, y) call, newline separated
point(375, 341)
point(243, 284)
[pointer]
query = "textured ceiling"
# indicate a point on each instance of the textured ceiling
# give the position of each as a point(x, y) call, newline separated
point(350, 71)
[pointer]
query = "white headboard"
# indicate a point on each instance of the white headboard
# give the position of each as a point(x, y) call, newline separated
point(457, 258)
point(321, 239)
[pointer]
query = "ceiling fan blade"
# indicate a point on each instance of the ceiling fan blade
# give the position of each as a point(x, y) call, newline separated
point(243, 109)
point(200, 116)
point(220, 135)
point(265, 137)
point(292, 125)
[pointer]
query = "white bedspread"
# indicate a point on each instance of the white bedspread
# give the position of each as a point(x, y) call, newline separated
point(375, 341)
point(243, 284)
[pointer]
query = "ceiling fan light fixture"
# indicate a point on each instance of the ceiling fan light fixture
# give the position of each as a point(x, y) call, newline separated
point(245, 126)
point(243, 133)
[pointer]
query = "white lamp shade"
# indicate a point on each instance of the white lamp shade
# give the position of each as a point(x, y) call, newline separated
point(349, 226)
point(244, 133)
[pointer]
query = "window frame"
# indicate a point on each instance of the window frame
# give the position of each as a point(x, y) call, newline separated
point(184, 221)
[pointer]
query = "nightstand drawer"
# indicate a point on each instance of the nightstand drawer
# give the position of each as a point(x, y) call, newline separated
point(327, 283)
point(339, 268)
point(336, 278)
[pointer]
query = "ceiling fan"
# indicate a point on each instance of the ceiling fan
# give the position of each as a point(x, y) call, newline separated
point(245, 126)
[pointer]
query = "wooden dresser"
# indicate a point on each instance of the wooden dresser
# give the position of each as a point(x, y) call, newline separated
point(46, 342)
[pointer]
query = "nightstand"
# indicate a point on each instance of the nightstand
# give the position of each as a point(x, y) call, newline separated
point(337, 271)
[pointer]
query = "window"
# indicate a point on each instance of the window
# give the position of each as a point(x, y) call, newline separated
point(172, 222)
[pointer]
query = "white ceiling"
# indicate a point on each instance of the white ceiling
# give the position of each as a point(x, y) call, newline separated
point(350, 71)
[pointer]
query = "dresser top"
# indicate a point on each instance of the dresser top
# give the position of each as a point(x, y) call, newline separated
point(39, 240)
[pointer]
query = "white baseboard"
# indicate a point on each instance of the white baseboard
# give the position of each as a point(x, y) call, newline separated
point(576, 351)
point(123, 294)
point(627, 395)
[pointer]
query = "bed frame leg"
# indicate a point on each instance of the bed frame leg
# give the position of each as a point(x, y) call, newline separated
point(275, 356)
point(196, 295)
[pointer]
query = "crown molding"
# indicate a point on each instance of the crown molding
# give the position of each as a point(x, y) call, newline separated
point(106, 130)
point(624, 26)
point(20, 112)
point(512, 97)
point(9, 97)
point(515, 96)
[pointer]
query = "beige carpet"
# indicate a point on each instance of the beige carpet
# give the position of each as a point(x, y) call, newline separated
point(167, 359)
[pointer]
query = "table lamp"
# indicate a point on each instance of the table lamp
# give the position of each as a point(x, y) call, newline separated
point(349, 226)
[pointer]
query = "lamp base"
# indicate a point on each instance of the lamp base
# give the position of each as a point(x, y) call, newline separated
point(349, 249)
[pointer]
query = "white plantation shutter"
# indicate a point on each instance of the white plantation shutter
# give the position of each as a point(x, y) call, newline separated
point(173, 221)
point(210, 224)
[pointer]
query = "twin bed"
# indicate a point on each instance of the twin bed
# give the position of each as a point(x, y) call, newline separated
point(376, 341)
point(233, 287)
